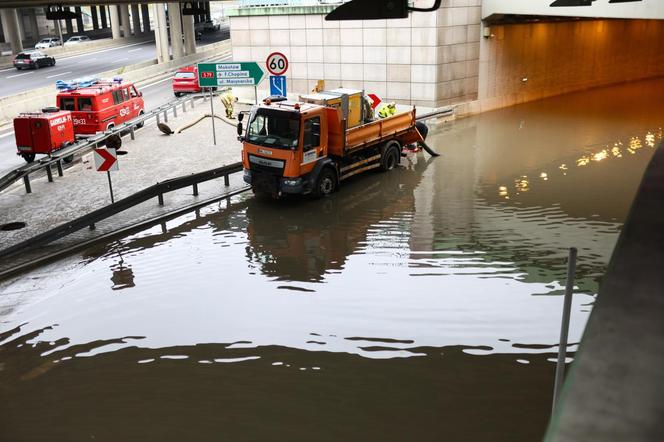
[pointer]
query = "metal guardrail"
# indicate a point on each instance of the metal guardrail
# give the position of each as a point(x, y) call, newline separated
point(155, 191)
point(57, 157)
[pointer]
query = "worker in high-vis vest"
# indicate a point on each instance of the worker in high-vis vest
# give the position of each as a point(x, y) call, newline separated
point(367, 109)
point(228, 100)
point(388, 110)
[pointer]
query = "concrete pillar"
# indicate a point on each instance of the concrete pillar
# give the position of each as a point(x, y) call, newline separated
point(95, 17)
point(10, 27)
point(69, 24)
point(145, 11)
point(34, 24)
point(102, 15)
point(189, 34)
point(175, 22)
point(160, 32)
point(136, 19)
point(200, 18)
point(79, 20)
point(115, 21)
point(124, 20)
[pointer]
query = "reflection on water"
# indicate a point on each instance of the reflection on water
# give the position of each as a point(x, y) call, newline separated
point(400, 308)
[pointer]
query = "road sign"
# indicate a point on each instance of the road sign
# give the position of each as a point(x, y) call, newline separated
point(375, 100)
point(278, 85)
point(229, 74)
point(277, 63)
point(106, 159)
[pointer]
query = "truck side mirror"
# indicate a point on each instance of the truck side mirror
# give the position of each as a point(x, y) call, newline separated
point(239, 126)
point(240, 117)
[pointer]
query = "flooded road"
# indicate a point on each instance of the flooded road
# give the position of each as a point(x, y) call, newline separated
point(421, 304)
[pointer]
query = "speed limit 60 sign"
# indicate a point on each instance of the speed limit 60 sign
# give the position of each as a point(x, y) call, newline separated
point(277, 63)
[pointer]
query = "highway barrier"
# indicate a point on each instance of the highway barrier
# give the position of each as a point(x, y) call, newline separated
point(155, 191)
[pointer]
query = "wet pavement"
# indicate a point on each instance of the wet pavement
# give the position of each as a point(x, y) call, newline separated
point(153, 157)
point(421, 304)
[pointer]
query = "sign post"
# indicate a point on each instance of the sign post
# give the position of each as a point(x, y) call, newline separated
point(213, 75)
point(106, 160)
point(214, 132)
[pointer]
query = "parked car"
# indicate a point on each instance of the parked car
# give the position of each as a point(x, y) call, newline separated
point(32, 60)
point(48, 42)
point(76, 39)
point(185, 81)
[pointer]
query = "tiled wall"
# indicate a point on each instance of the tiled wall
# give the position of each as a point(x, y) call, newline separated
point(429, 59)
point(527, 62)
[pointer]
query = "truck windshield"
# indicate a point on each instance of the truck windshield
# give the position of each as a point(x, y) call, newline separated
point(274, 129)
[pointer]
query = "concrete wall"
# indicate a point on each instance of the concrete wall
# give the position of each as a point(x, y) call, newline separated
point(429, 59)
point(531, 61)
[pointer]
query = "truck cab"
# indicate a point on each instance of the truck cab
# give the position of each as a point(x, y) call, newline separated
point(312, 145)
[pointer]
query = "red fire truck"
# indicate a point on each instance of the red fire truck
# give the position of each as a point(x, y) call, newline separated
point(85, 107)
point(98, 105)
point(43, 132)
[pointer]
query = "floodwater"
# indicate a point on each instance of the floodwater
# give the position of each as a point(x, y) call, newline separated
point(422, 304)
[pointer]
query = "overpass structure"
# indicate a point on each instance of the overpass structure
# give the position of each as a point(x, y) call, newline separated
point(124, 18)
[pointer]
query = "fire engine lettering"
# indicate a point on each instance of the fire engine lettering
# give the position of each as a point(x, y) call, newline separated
point(79, 121)
point(105, 100)
point(124, 111)
point(61, 128)
point(57, 121)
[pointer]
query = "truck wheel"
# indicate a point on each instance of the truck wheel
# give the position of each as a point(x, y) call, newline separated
point(326, 183)
point(68, 159)
point(391, 156)
point(141, 124)
point(28, 157)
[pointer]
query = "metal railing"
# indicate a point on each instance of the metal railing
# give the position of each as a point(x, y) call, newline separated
point(56, 158)
point(155, 191)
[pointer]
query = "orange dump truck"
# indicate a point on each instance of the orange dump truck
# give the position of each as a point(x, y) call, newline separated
point(312, 145)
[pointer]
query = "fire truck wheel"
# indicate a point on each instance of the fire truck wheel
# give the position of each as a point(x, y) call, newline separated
point(177, 94)
point(391, 156)
point(68, 159)
point(326, 183)
point(28, 157)
point(142, 123)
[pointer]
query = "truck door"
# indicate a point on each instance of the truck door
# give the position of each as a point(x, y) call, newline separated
point(311, 143)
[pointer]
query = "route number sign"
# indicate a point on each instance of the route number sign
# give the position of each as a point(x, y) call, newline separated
point(277, 63)
point(229, 74)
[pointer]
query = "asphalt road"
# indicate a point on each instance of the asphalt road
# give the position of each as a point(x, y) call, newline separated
point(13, 81)
point(155, 94)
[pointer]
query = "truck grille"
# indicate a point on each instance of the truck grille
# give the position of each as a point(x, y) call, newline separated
point(267, 165)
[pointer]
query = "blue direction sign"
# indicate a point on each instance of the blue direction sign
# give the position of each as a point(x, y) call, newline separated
point(278, 85)
point(229, 74)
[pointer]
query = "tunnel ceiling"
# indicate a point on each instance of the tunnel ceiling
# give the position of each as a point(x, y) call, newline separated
point(513, 19)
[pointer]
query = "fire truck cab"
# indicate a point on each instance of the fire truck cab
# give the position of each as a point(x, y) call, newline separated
point(98, 105)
